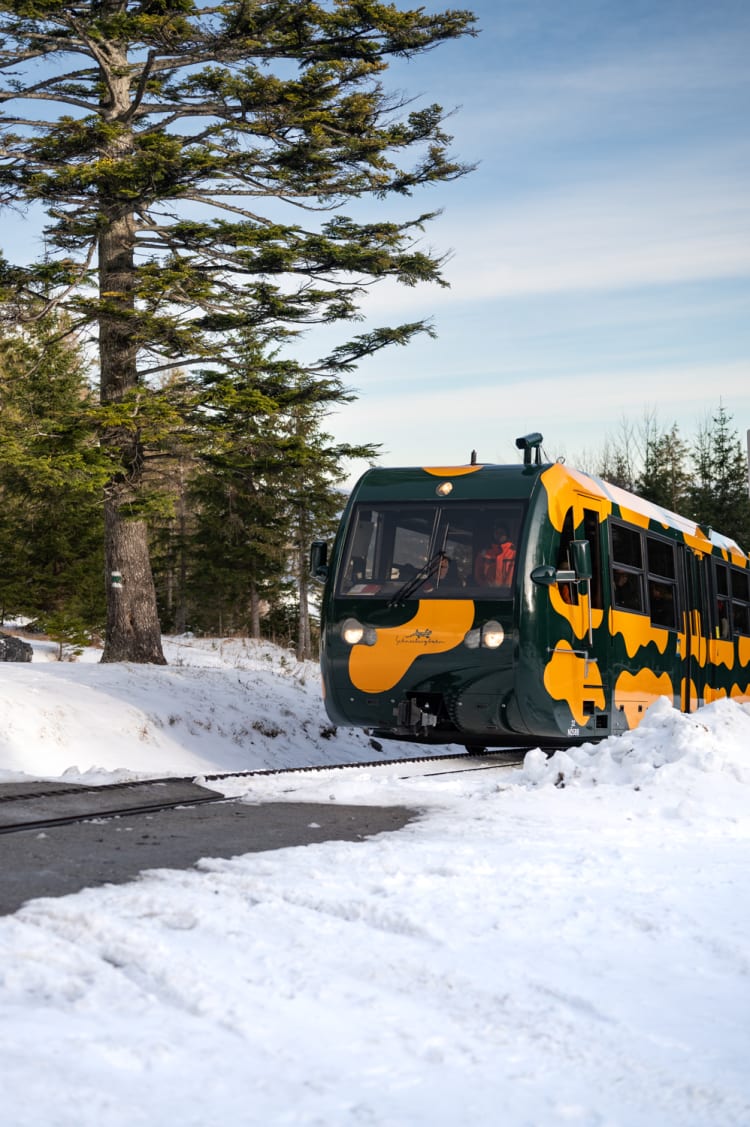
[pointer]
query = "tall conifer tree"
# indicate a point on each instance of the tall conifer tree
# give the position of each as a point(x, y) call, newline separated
point(665, 477)
point(719, 492)
point(162, 138)
point(52, 470)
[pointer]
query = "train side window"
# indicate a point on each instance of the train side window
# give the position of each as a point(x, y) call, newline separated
point(661, 604)
point(739, 585)
point(662, 582)
point(626, 546)
point(723, 602)
point(627, 568)
point(591, 533)
point(740, 601)
point(568, 591)
point(660, 557)
point(627, 593)
point(741, 617)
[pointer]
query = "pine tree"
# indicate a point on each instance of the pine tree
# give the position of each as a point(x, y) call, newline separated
point(665, 477)
point(52, 470)
point(719, 492)
point(312, 492)
point(258, 494)
point(166, 140)
point(237, 552)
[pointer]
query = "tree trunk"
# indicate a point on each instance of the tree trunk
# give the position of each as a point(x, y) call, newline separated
point(304, 640)
point(133, 632)
point(254, 613)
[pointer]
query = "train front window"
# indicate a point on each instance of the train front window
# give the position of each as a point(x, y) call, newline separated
point(385, 546)
point(389, 545)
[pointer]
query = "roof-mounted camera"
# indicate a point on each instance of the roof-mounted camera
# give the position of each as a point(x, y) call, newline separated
point(527, 443)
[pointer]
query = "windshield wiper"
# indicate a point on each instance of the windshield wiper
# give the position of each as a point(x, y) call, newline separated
point(425, 572)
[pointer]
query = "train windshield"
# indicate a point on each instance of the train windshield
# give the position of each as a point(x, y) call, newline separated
point(425, 550)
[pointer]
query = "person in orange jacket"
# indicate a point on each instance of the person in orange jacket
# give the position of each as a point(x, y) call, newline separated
point(495, 564)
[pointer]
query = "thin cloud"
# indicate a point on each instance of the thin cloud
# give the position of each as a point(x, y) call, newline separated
point(441, 424)
point(514, 102)
point(682, 222)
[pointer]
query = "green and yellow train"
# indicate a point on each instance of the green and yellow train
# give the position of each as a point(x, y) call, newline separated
point(517, 605)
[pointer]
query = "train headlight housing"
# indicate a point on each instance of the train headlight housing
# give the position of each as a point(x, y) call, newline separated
point(472, 639)
point(492, 635)
point(354, 633)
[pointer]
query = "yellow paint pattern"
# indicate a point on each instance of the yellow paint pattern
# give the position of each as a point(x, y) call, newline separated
point(635, 692)
point(641, 520)
point(743, 651)
point(438, 626)
point(577, 616)
point(566, 678)
point(564, 487)
point(698, 640)
point(637, 631)
point(450, 471)
point(721, 653)
point(737, 692)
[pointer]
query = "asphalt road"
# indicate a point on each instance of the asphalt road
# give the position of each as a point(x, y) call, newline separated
point(62, 859)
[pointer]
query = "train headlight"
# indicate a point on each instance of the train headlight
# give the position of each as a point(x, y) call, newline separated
point(492, 635)
point(354, 633)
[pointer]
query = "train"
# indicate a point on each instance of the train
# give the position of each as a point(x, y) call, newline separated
point(521, 605)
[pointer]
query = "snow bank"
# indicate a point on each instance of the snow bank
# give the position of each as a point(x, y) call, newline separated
point(666, 749)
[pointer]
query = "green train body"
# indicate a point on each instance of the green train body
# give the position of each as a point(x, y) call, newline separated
point(609, 603)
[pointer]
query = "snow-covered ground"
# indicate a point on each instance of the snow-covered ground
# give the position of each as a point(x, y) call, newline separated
point(566, 943)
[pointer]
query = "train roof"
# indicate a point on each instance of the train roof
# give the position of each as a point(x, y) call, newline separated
point(635, 504)
point(419, 483)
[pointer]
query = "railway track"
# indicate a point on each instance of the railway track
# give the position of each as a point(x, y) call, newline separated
point(24, 808)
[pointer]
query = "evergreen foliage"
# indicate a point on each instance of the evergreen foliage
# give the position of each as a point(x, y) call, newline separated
point(168, 142)
point(665, 477)
point(52, 470)
point(718, 494)
point(705, 480)
point(265, 484)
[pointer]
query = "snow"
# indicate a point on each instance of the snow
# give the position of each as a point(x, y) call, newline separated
point(563, 943)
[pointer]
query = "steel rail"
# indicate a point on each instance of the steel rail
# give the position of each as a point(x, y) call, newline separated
point(507, 759)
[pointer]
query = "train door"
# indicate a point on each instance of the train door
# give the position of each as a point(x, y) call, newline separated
point(577, 673)
point(598, 683)
point(694, 627)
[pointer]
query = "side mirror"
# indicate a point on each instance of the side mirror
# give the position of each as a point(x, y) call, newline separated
point(582, 559)
point(545, 575)
point(319, 560)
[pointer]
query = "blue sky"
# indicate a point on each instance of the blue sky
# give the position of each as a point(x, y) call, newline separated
point(601, 250)
point(600, 262)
